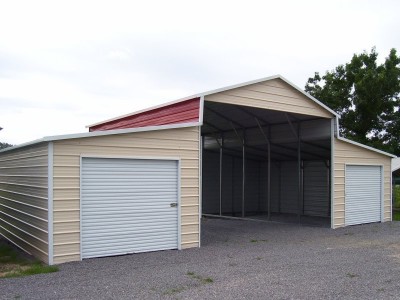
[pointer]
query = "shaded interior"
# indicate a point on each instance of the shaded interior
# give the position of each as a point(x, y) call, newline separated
point(265, 164)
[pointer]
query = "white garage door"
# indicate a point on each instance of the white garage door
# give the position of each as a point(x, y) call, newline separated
point(128, 206)
point(363, 194)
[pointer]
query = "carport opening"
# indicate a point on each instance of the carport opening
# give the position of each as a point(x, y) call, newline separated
point(266, 165)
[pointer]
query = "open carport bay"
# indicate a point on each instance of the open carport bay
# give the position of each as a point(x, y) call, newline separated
point(238, 260)
point(265, 164)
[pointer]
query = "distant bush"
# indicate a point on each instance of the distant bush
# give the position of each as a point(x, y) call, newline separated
point(396, 200)
point(5, 145)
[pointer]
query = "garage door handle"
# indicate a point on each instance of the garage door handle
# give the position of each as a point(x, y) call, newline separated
point(174, 204)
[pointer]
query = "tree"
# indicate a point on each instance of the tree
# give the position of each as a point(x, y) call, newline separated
point(366, 96)
point(5, 145)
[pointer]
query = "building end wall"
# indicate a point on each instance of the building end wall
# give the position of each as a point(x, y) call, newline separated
point(24, 199)
point(346, 153)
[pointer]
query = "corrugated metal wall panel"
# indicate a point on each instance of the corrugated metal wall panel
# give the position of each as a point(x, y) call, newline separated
point(126, 206)
point(316, 189)
point(182, 112)
point(210, 182)
point(363, 194)
point(289, 187)
point(162, 143)
point(255, 197)
point(346, 153)
point(252, 189)
point(24, 198)
point(275, 186)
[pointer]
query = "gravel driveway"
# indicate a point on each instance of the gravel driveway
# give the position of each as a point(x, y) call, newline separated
point(237, 260)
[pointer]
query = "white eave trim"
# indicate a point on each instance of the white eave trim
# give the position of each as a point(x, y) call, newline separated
point(365, 147)
point(395, 164)
point(102, 133)
point(215, 91)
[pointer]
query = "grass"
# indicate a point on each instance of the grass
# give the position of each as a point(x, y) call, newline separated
point(256, 241)
point(351, 275)
point(396, 193)
point(396, 203)
point(14, 263)
point(174, 291)
point(201, 279)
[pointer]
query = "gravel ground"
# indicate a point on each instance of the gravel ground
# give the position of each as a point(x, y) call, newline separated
point(237, 260)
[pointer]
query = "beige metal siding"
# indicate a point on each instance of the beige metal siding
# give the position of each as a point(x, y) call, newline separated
point(24, 198)
point(272, 94)
point(346, 153)
point(183, 143)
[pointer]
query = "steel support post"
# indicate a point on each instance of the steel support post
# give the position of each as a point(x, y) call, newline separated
point(298, 172)
point(220, 173)
point(243, 174)
point(268, 169)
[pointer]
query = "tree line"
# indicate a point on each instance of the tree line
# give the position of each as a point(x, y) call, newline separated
point(366, 96)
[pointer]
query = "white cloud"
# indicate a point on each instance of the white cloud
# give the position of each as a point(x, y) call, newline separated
point(67, 64)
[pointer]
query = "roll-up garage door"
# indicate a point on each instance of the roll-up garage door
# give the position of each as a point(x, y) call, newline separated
point(363, 194)
point(128, 206)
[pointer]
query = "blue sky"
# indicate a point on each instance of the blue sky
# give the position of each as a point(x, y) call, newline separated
point(67, 64)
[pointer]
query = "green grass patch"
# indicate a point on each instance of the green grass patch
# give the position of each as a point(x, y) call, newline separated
point(201, 279)
point(14, 263)
point(8, 255)
point(396, 215)
point(396, 192)
point(351, 275)
point(256, 241)
point(37, 268)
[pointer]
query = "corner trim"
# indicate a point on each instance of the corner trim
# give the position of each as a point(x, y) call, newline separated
point(50, 165)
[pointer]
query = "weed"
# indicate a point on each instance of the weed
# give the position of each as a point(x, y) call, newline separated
point(207, 280)
point(173, 291)
point(8, 255)
point(233, 264)
point(36, 268)
point(200, 278)
point(349, 233)
point(15, 264)
point(351, 275)
point(259, 258)
point(256, 241)
point(380, 290)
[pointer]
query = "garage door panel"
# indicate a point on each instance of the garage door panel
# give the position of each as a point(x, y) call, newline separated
point(363, 194)
point(126, 206)
point(107, 249)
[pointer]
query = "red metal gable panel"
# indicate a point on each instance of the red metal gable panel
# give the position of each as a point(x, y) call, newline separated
point(182, 112)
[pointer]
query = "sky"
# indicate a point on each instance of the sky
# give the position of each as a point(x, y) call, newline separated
point(68, 64)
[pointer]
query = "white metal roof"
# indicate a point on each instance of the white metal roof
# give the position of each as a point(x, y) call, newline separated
point(223, 89)
point(365, 146)
point(395, 164)
point(100, 133)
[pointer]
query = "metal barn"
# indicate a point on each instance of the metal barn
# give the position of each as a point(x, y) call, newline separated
point(141, 182)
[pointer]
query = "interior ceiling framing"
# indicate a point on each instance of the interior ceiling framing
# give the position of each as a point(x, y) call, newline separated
point(281, 128)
